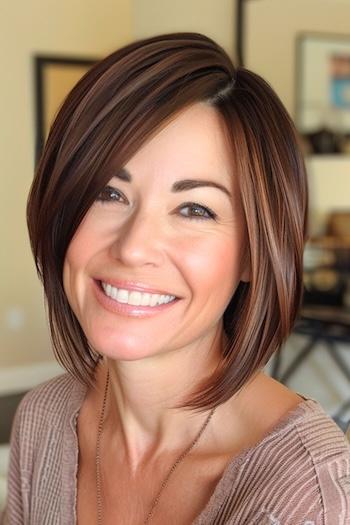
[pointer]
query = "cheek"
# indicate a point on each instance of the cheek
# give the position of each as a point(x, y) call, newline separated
point(214, 266)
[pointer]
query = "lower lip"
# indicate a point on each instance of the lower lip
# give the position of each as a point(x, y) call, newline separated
point(128, 309)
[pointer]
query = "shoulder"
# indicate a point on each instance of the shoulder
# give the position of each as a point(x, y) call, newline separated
point(327, 451)
point(310, 467)
point(41, 443)
point(306, 432)
point(318, 433)
point(299, 473)
point(47, 405)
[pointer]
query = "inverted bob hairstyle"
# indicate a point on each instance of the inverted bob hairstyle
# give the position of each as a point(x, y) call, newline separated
point(118, 105)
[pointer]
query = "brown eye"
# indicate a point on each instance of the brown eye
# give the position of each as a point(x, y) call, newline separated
point(109, 194)
point(199, 212)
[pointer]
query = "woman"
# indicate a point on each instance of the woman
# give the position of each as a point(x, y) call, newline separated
point(167, 219)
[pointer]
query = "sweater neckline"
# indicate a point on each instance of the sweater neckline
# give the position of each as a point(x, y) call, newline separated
point(70, 469)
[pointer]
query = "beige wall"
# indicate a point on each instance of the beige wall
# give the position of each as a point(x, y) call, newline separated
point(83, 27)
point(214, 18)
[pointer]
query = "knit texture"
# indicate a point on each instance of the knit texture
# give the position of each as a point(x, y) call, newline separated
point(298, 474)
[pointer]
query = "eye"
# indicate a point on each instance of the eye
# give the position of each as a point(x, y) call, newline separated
point(200, 212)
point(109, 194)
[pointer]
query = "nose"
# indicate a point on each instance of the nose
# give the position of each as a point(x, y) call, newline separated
point(140, 240)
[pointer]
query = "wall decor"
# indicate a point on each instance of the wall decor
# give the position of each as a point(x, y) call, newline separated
point(322, 108)
point(54, 77)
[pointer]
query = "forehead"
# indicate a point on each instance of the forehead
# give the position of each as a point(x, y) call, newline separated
point(193, 143)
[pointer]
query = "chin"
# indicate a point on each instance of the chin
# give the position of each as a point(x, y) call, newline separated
point(114, 347)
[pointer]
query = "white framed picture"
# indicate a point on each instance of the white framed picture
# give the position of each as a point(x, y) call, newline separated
point(323, 83)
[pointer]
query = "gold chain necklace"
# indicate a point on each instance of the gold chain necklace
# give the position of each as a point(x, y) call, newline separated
point(166, 479)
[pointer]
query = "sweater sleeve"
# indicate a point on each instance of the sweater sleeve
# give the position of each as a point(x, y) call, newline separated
point(38, 452)
point(298, 475)
point(322, 500)
point(334, 480)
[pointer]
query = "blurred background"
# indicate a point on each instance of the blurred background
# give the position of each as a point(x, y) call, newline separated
point(301, 47)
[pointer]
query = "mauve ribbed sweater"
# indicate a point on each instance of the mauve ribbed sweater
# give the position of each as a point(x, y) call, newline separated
point(298, 474)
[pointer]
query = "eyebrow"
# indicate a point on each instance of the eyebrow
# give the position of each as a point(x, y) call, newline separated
point(180, 185)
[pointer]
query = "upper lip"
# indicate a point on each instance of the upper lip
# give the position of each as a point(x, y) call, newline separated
point(134, 286)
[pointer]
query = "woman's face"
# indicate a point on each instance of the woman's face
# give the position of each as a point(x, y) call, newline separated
point(151, 229)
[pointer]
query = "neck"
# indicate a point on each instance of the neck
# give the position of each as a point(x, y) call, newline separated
point(140, 419)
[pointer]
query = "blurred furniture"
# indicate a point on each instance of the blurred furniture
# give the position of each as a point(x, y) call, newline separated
point(325, 313)
point(319, 324)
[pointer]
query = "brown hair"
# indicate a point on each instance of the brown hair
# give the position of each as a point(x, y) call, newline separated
point(116, 107)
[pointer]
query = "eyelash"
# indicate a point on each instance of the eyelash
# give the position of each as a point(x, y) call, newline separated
point(105, 197)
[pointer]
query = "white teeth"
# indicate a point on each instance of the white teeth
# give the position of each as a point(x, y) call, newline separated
point(120, 295)
point(135, 298)
point(154, 299)
point(145, 298)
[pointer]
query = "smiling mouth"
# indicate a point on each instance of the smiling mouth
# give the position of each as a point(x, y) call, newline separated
point(135, 297)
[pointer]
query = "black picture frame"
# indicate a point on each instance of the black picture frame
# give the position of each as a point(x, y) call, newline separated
point(49, 91)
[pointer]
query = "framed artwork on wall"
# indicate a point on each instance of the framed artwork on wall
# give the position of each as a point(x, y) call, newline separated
point(322, 108)
point(54, 77)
